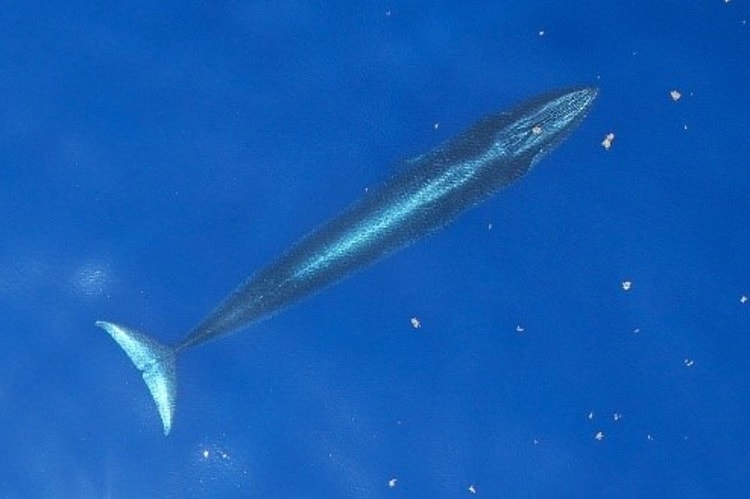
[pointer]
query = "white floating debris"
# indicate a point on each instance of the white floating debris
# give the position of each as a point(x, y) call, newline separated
point(472, 489)
point(743, 299)
point(415, 323)
point(541, 32)
point(205, 453)
point(607, 142)
point(92, 279)
point(392, 482)
point(689, 362)
point(617, 416)
point(536, 442)
point(536, 130)
point(489, 226)
point(649, 437)
point(520, 328)
point(436, 125)
point(591, 415)
point(626, 285)
point(637, 330)
point(599, 436)
point(676, 95)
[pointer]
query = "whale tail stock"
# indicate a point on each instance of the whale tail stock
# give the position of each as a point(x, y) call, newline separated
point(156, 361)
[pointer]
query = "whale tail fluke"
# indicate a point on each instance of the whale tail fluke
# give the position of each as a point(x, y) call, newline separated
point(156, 361)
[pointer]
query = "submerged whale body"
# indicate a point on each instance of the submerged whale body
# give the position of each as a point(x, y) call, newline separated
point(433, 190)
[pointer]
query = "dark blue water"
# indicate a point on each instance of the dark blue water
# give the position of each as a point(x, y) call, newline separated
point(154, 155)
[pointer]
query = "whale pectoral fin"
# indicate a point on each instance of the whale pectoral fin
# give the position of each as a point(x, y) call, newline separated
point(157, 362)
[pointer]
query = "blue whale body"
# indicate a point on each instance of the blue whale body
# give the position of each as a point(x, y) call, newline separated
point(425, 196)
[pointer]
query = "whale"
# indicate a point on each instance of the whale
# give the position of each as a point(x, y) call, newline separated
point(425, 195)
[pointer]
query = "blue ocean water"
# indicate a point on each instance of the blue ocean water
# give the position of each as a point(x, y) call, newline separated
point(154, 154)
